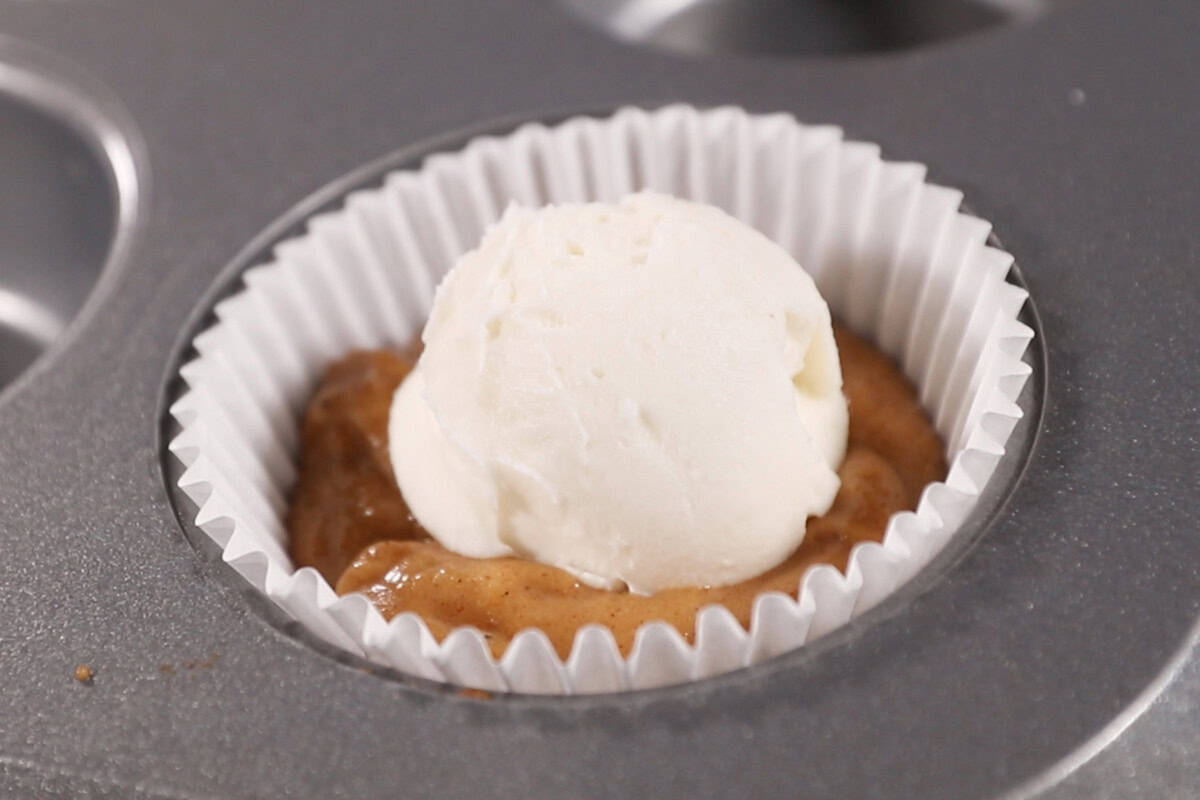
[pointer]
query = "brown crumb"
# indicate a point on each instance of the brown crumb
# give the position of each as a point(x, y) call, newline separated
point(475, 694)
point(84, 673)
point(209, 663)
point(191, 665)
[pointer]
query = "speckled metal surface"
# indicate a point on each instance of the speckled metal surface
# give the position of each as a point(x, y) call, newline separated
point(1058, 657)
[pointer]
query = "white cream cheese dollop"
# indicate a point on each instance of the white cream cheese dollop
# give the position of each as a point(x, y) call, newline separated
point(645, 392)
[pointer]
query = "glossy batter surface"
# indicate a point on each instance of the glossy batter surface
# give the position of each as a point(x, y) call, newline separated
point(348, 520)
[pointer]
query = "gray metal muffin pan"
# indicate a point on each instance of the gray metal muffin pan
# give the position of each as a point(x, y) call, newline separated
point(146, 147)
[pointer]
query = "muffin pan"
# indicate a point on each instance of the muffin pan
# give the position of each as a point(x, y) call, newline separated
point(1056, 656)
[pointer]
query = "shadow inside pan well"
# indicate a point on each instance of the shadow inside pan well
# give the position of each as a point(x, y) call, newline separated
point(796, 27)
point(58, 216)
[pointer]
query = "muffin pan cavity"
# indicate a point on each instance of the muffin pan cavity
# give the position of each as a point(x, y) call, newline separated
point(62, 209)
point(923, 287)
point(796, 27)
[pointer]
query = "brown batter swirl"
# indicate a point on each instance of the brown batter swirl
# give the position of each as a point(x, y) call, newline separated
point(348, 520)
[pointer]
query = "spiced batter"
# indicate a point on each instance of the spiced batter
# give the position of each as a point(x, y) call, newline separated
point(348, 520)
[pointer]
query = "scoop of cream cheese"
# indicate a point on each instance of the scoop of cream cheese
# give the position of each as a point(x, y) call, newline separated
point(644, 393)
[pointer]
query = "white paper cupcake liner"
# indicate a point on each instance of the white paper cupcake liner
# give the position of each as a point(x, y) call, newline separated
point(891, 254)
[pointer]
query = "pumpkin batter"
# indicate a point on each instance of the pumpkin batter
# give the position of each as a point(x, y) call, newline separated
point(348, 520)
